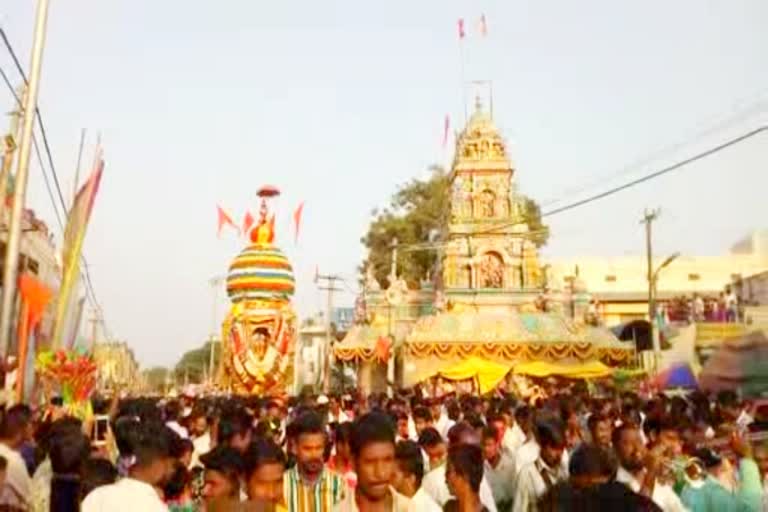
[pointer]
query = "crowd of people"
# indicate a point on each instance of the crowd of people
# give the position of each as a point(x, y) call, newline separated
point(564, 450)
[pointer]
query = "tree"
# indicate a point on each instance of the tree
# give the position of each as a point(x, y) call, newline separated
point(193, 365)
point(156, 378)
point(532, 214)
point(417, 211)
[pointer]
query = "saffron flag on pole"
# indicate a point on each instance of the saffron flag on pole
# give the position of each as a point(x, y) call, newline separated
point(483, 26)
point(461, 28)
point(248, 221)
point(297, 221)
point(74, 234)
point(224, 219)
point(446, 129)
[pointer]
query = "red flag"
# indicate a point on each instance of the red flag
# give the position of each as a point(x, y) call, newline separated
point(297, 221)
point(224, 220)
point(483, 26)
point(446, 129)
point(461, 28)
point(248, 221)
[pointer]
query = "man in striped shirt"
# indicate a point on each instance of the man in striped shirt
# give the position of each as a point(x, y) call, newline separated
point(309, 486)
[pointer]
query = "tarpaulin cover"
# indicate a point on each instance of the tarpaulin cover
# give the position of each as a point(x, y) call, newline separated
point(487, 374)
point(587, 370)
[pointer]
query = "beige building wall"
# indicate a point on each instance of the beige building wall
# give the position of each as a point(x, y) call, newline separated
point(621, 284)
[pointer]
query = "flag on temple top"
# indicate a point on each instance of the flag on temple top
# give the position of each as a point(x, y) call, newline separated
point(74, 233)
point(297, 221)
point(248, 221)
point(461, 28)
point(483, 26)
point(224, 219)
point(446, 129)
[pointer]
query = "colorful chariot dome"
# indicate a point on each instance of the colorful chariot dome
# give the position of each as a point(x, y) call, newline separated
point(261, 271)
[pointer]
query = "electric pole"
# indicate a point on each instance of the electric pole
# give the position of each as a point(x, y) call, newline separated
point(20, 190)
point(215, 284)
point(9, 143)
point(330, 287)
point(648, 217)
point(94, 321)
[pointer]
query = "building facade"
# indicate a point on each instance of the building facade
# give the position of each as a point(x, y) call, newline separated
point(620, 285)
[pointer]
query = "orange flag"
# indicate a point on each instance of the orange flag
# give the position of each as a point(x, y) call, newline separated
point(446, 129)
point(248, 221)
point(224, 219)
point(382, 348)
point(297, 221)
point(461, 28)
point(35, 297)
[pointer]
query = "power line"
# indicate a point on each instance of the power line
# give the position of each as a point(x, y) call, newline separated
point(37, 153)
point(85, 272)
point(661, 172)
point(743, 107)
point(698, 156)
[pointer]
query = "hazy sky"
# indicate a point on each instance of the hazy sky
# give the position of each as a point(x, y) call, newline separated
point(337, 102)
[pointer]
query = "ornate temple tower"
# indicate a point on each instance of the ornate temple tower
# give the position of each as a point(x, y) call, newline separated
point(491, 258)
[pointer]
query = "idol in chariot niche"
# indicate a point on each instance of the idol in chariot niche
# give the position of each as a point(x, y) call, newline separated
point(491, 271)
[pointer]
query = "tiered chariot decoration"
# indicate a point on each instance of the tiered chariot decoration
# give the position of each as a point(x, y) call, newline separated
point(259, 332)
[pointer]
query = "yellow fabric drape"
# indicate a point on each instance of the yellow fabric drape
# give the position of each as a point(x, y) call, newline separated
point(487, 374)
point(587, 370)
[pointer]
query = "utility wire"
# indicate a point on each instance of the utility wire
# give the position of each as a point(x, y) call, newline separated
point(37, 152)
point(90, 291)
point(678, 165)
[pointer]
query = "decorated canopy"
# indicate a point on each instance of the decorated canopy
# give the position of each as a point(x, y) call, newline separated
point(513, 336)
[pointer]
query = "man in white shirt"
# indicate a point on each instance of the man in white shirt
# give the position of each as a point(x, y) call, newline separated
point(537, 477)
point(439, 418)
point(335, 414)
point(435, 483)
point(140, 490)
point(638, 469)
point(15, 430)
point(172, 415)
point(511, 439)
point(201, 437)
point(499, 470)
point(409, 472)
